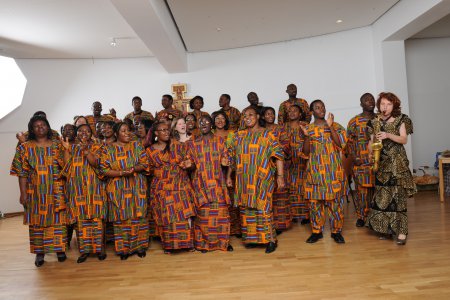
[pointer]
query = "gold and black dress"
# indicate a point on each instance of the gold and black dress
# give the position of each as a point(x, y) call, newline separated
point(393, 182)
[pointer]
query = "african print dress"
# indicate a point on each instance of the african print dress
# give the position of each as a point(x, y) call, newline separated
point(281, 207)
point(233, 208)
point(298, 204)
point(234, 117)
point(252, 155)
point(284, 108)
point(171, 196)
point(86, 198)
point(324, 183)
point(126, 196)
point(358, 148)
point(45, 211)
point(393, 183)
point(212, 224)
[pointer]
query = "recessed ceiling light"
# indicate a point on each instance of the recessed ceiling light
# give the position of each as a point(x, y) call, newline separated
point(218, 29)
point(339, 21)
point(113, 42)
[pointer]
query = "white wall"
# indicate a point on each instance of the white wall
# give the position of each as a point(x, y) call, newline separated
point(428, 72)
point(337, 68)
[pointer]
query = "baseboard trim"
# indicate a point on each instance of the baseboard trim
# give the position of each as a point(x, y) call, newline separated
point(13, 214)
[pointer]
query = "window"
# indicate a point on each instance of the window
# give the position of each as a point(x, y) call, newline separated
point(12, 85)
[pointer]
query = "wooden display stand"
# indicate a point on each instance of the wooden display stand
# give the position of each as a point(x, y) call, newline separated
point(442, 161)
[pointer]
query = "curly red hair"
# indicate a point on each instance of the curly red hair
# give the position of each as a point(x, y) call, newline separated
point(391, 97)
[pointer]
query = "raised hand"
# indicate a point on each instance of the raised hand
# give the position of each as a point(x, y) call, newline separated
point(21, 137)
point(65, 143)
point(303, 128)
point(330, 119)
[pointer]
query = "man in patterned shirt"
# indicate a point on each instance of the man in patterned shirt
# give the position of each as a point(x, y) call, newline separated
point(232, 113)
point(358, 150)
point(138, 114)
point(291, 90)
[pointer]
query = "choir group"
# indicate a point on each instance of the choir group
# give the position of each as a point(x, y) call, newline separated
point(193, 179)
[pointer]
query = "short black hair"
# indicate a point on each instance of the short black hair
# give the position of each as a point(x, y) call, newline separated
point(191, 102)
point(40, 113)
point(226, 96)
point(168, 96)
point(34, 119)
point(314, 102)
point(136, 98)
point(220, 113)
point(117, 126)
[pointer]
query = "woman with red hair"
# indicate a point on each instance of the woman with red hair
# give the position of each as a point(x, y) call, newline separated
point(393, 179)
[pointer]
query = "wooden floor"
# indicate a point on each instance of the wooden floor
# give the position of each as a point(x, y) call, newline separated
point(364, 267)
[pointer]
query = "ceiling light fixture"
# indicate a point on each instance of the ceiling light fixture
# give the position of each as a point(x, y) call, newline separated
point(113, 42)
point(339, 21)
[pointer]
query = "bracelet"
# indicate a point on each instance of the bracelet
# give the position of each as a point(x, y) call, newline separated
point(280, 175)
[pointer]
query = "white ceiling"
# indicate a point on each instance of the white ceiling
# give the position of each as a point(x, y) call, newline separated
point(224, 24)
point(65, 29)
point(84, 28)
point(440, 29)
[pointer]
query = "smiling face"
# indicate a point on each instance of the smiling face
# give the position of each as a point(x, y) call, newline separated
point(84, 133)
point(107, 130)
point(251, 118)
point(96, 108)
point(319, 110)
point(124, 134)
point(269, 116)
point(166, 102)
point(162, 132)
point(190, 122)
point(368, 103)
point(180, 126)
point(68, 132)
point(40, 129)
point(205, 125)
point(220, 122)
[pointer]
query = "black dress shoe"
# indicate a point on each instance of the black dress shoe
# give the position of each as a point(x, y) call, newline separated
point(314, 238)
point(101, 256)
point(123, 256)
point(82, 258)
point(230, 248)
point(61, 256)
point(204, 251)
point(360, 223)
point(238, 236)
point(305, 221)
point(39, 261)
point(278, 232)
point(271, 247)
point(142, 254)
point(338, 238)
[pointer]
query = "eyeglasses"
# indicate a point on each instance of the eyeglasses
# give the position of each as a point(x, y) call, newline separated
point(205, 122)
